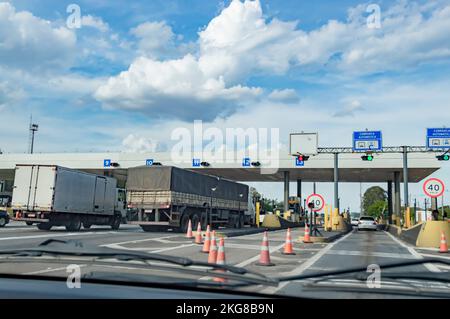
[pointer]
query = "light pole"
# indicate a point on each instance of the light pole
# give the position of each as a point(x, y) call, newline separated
point(33, 129)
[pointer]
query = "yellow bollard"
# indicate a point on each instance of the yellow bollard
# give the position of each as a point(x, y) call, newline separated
point(325, 222)
point(257, 208)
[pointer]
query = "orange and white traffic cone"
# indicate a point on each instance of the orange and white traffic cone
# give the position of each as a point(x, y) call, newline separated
point(307, 238)
point(288, 250)
point(198, 235)
point(264, 257)
point(207, 242)
point(212, 257)
point(189, 230)
point(443, 248)
point(220, 259)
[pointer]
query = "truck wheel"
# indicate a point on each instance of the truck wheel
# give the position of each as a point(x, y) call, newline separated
point(86, 226)
point(115, 225)
point(29, 223)
point(2, 221)
point(74, 224)
point(241, 221)
point(195, 220)
point(184, 223)
point(204, 220)
point(44, 226)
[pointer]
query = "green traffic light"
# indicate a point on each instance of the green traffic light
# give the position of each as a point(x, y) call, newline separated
point(446, 157)
point(370, 158)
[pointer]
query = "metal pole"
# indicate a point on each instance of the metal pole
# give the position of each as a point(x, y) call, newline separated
point(389, 202)
point(405, 175)
point(299, 188)
point(397, 198)
point(32, 142)
point(286, 191)
point(336, 181)
point(314, 188)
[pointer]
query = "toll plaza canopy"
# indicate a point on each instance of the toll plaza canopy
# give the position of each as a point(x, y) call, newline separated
point(318, 168)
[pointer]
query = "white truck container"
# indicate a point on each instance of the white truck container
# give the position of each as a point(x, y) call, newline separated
point(50, 195)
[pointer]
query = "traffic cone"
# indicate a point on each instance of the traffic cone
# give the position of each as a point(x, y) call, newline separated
point(307, 238)
point(220, 259)
point(207, 242)
point(189, 230)
point(212, 257)
point(264, 257)
point(198, 235)
point(443, 247)
point(288, 250)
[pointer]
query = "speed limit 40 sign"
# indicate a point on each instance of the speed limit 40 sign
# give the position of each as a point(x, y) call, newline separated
point(433, 187)
point(317, 200)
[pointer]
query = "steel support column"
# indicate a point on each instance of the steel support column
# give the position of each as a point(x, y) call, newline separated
point(336, 181)
point(286, 191)
point(390, 206)
point(397, 199)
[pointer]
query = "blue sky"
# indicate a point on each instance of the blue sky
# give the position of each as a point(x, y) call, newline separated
point(136, 70)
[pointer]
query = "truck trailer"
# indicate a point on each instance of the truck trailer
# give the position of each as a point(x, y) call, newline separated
point(50, 195)
point(169, 197)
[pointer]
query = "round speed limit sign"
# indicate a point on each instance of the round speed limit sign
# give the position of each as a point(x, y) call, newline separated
point(317, 200)
point(433, 187)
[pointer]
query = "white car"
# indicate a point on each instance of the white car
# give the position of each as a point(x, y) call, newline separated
point(354, 221)
point(367, 223)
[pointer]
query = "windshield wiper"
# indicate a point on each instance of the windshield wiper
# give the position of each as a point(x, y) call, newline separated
point(414, 262)
point(56, 247)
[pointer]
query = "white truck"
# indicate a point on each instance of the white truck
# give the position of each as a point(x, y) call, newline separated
point(50, 195)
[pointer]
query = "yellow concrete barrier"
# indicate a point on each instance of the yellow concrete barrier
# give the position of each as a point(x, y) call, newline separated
point(271, 221)
point(430, 234)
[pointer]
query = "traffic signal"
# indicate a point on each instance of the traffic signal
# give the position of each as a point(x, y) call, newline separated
point(302, 158)
point(444, 157)
point(367, 157)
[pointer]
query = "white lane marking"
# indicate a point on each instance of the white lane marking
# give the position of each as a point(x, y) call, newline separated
point(307, 264)
point(172, 248)
point(374, 254)
point(413, 252)
point(14, 229)
point(431, 255)
point(255, 258)
point(44, 271)
point(56, 235)
point(139, 240)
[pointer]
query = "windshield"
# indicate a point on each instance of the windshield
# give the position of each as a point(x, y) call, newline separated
point(265, 147)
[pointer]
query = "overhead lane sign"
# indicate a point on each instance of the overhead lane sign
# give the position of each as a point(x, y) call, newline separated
point(367, 141)
point(438, 138)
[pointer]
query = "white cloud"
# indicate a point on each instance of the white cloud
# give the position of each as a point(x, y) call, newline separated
point(138, 144)
point(177, 88)
point(9, 94)
point(350, 109)
point(28, 42)
point(286, 96)
point(240, 43)
point(156, 39)
point(94, 22)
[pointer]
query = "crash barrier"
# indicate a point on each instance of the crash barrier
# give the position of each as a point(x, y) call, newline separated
point(276, 222)
point(426, 234)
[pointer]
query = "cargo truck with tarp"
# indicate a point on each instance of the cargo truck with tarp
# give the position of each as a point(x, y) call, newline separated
point(170, 197)
point(50, 195)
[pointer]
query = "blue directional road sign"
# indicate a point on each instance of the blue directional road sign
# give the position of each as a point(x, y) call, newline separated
point(107, 163)
point(438, 138)
point(196, 162)
point(299, 163)
point(246, 162)
point(367, 141)
point(149, 162)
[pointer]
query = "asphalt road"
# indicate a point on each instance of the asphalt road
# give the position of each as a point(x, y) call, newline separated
point(354, 249)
